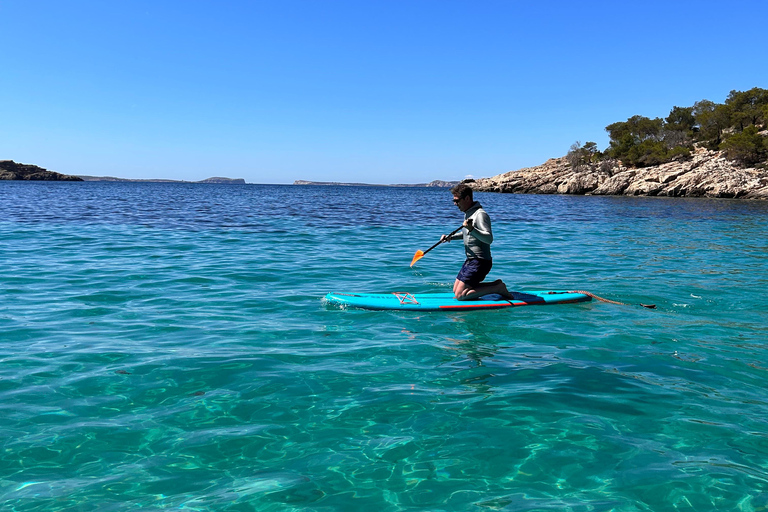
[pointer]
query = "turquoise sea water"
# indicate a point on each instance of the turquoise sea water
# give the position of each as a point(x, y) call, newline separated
point(165, 347)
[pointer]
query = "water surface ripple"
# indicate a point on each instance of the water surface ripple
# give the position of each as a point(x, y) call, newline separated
point(165, 346)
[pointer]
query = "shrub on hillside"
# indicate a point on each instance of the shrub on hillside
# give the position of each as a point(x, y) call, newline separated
point(582, 155)
point(747, 147)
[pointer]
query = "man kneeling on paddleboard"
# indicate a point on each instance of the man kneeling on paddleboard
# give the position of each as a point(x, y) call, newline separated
point(477, 237)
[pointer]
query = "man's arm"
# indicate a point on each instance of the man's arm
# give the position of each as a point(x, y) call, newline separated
point(481, 227)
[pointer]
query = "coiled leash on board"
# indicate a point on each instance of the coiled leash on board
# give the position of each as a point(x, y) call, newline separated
point(601, 299)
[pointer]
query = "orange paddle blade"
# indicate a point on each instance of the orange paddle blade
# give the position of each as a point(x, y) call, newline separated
point(417, 257)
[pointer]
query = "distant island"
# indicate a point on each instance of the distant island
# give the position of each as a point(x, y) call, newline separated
point(434, 184)
point(10, 170)
point(229, 181)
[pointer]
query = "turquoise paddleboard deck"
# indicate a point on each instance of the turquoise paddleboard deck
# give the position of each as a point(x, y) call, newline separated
point(404, 301)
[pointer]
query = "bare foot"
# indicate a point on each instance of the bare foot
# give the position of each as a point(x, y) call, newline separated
point(504, 293)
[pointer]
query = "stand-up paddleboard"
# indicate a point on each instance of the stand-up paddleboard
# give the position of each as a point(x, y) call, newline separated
point(447, 302)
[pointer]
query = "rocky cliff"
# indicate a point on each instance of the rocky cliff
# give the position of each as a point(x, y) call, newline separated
point(705, 174)
point(10, 170)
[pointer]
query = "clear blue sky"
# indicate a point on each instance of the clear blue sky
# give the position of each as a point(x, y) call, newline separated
point(368, 91)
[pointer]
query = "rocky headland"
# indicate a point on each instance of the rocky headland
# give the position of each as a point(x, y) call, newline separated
point(10, 170)
point(705, 174)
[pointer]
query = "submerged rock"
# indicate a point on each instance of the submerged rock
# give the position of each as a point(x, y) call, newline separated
point(705, 174)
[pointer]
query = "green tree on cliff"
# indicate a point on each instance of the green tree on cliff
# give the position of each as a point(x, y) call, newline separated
point(679, 127)
point(640, 142)
point(748, 107)
point(712, 119)
point(734, 127)
point(747, 147)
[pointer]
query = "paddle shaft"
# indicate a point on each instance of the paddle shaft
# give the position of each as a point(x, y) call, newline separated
point(449, 236)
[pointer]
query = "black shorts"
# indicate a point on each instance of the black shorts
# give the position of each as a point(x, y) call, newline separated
point(474, 271)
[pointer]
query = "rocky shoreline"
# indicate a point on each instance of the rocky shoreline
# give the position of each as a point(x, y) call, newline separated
point(10, 170)
point(705, 174)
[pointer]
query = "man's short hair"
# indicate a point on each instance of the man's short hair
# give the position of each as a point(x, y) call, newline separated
point(461, 191)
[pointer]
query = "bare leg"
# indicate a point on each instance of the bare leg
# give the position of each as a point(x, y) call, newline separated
point(463, 291)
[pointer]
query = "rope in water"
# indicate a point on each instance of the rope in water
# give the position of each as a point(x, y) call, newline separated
point(601, 299)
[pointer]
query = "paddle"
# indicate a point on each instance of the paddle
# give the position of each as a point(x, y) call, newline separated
point(420, 254)
point(649, 306)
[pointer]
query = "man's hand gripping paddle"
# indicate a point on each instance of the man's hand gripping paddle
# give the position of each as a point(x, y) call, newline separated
point(420, 254)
